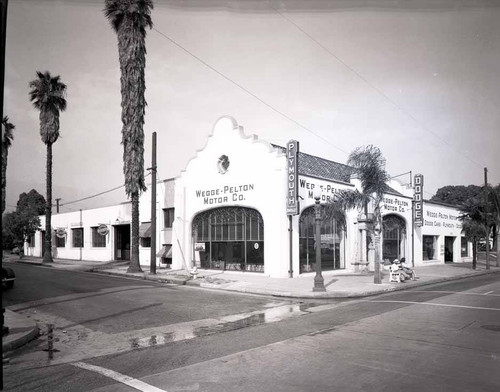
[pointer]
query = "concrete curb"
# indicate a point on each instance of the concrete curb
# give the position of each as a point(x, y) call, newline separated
point(21, 340)
point(287, 294)
point(152, 278)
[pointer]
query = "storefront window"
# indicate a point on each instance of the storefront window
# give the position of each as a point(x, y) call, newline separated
point(429, 245)
point(332, 244)
point(229, 238)
point(394, 237)
point(464, 247)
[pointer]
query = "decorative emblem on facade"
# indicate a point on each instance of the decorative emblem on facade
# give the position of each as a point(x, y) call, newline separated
point(223, 164)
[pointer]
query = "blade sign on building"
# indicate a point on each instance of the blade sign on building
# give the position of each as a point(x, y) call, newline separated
point(292, 196)
point(418, 200)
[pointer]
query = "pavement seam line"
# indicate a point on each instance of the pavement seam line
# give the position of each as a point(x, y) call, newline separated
point(457, 292)
point(435, 304)
point(131, 382)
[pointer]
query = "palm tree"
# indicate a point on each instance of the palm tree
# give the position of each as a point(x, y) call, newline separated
point(473, 231)
point(473, 211)
point(7, 137)
point(368, 166)
point(129, 19)
point(48, 94)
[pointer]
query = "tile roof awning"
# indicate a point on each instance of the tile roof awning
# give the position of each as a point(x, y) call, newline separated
point(165, 252)
point(145, 230)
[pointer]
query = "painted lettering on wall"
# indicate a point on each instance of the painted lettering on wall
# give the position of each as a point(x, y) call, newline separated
point(292, 196)
point(439, 219)
point(393, 204)
point(228, 193)
point(327, 191)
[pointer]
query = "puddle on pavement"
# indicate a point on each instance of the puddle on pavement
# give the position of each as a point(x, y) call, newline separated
point(225, 324)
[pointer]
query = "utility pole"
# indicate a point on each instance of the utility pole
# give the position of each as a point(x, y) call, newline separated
point(57, 205)
point(152, 269)
point(3, 30)
point(486, 218)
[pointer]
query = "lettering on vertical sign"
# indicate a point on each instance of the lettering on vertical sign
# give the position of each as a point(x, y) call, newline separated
point(292, 194)
point(418, 217)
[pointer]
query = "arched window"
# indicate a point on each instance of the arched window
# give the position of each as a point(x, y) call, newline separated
point(394, 237)
point(332, 242)
point(229, 238)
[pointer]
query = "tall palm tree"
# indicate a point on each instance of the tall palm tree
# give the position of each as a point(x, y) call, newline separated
point(7, 137)
point(129, 19)
point(368, 166)
point(48, 94)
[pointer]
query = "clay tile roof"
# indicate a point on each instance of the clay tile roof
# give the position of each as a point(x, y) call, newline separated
point(310, 165)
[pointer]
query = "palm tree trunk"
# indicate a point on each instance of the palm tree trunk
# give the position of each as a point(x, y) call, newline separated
point(134, 265)
point(377, 279)
point(47, 256)
point(4, 176)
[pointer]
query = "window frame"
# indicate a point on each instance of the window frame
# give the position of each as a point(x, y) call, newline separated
point(96, 235)
point(73, 238)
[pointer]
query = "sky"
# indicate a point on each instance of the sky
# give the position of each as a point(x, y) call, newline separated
point(418, 79)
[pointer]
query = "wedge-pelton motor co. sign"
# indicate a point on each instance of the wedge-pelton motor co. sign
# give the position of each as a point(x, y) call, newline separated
point(292, 191)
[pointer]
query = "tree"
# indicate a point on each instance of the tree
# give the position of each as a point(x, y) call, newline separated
point(494, 193)
point(7, 137)
point(368, 166)
point(129, 19)
point(456, 194)
point(48, 95)
point(474, 231)
point(33, 200)
point(18, 226)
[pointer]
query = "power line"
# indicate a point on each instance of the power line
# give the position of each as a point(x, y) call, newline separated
point(379, 91)
point(248, 91)
point(97, 194)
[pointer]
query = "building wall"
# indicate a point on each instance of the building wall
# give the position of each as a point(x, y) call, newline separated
point(440, 221)
point(255, 179)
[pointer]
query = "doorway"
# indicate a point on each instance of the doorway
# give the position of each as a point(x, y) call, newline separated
point(448, 249)
point(122, 242)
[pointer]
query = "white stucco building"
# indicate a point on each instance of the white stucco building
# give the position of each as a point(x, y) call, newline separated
point(228, 211)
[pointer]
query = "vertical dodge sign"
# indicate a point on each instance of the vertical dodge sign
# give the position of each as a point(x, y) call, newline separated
point(292, 195)
point(418, 200)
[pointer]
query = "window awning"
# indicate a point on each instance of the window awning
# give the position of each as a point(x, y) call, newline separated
point(165, 252)
point(145, 230)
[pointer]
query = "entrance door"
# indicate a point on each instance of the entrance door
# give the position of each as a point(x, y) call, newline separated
point(448, 249)
point(122, 242)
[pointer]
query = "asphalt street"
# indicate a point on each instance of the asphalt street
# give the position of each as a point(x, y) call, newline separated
point(441, 337)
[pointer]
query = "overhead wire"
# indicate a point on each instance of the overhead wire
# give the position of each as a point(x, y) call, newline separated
point(221, 74)
point(378, 90)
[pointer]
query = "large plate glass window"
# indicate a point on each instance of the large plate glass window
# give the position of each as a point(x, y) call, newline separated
point(332, 242)
point(229, 238)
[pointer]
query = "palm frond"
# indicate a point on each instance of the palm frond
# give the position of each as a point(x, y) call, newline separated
point(7, 134)
point(48, 94)
point(136, 11)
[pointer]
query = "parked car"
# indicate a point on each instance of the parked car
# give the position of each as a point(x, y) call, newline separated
point(8, 278)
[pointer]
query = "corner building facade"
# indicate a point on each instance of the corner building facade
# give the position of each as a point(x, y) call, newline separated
point(227, 211)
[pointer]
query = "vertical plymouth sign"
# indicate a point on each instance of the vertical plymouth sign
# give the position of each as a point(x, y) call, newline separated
point(418, 200)
point(292, 194)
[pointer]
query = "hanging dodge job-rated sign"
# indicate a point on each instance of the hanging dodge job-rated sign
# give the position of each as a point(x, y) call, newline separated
point(418, 200)
point(292, 194)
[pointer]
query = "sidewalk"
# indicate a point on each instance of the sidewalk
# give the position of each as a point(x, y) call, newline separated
point(338, 284)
